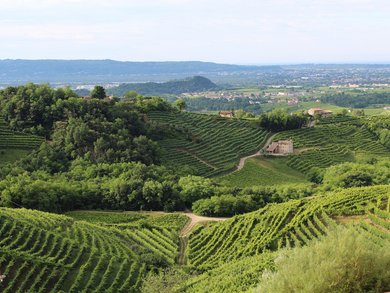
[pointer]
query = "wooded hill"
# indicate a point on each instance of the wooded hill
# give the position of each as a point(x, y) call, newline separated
point(189, 85)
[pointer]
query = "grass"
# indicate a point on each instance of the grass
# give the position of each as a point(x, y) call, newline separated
point(12, 155)
point(264, 171)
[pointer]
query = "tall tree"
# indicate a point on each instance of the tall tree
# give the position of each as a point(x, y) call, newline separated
point(98, 92)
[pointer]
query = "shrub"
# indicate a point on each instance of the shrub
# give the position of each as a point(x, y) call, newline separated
point(344, 261)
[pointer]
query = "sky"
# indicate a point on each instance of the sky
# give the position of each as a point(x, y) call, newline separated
point(224, 31)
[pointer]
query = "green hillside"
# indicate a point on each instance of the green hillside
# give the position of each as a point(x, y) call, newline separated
point(194, 84)
point(14, 145)
point(293, 223)
point(49, 253)
point(209, 144)
point(263, 171)
point(333, 141)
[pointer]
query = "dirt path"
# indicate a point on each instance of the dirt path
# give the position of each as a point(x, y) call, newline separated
point(183, 239)
point(195, 219)
point(241, 164)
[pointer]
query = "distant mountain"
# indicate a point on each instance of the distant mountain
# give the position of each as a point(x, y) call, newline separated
point(105, 71)
point(194, 84)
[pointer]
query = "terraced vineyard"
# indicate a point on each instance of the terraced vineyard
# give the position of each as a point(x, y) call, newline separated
point(377, 226)
point(215, 143)
point(42, 252)
point(293, 223)
point(330, 144)
point(11, 140)
point(14, 145)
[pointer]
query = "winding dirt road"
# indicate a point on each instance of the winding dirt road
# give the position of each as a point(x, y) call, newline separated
point(195, 219)
point(184, 233)
point(241, 164)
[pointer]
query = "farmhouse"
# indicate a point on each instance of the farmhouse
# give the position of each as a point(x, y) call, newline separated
point(281, 147)
point(318, 111)
point(227, 114)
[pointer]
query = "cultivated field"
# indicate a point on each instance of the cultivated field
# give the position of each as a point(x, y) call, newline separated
point(212, 145)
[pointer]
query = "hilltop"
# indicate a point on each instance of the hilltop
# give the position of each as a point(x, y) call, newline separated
point(188, 85)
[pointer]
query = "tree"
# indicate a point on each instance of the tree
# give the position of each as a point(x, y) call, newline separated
point(180, 104)
point(98, 92)
point(194, 188)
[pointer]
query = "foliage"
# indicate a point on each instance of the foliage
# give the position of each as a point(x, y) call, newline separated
point(380, 126)
point(354, 175)
point(164, 281)
point(344, 261)
point(248, 199)
point(362, 100)
point(279, 119)
point(98, 92)
point(200, 104)
point(180, 104)
point(126, 186)
point(194, 188)
point(225, 205)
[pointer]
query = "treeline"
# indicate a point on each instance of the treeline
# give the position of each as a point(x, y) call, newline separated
point(280, 119)
point(380, 125)
point(357, 100)
point(222, 104)
point(96, 129)
point(246, 200)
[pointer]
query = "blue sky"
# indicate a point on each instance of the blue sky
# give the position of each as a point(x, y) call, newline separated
point(229, 31)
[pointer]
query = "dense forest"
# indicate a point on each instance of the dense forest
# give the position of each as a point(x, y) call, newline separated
point(357, 100)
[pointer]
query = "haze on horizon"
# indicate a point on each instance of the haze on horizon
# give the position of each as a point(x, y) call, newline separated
point(225, 31)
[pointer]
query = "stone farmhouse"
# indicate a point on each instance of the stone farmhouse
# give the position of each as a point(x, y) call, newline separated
point(282, 147)
point(226, 114)
point(318, 111)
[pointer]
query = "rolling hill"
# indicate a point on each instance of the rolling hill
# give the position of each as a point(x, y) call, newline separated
point(209, 144)
point(42, 252)
point(194, 84)
point(115, 252)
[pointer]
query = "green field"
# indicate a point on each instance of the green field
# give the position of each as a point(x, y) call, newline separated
point(209, 144)
point(263, 171)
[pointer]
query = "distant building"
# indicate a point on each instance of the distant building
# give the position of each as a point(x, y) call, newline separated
point(226, 114)
point(318, 111)
point(283, 147)
point(386, 108)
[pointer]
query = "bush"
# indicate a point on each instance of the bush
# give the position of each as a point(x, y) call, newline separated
point(344, 261)
point(225, 205)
